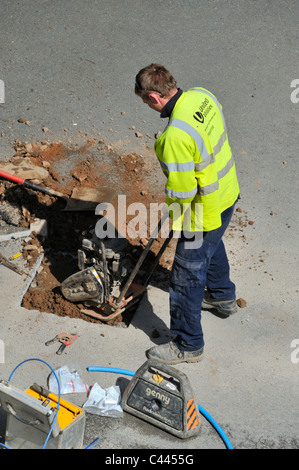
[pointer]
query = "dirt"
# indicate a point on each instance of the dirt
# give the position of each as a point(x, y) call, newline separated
point(93, 165)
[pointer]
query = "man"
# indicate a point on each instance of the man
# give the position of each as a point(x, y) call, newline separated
point(196, 158)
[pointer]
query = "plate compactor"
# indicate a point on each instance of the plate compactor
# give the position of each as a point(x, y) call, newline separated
point(162, 395)
point(104, 283)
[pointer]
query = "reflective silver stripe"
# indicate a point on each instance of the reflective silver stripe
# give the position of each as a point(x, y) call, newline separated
point(220, 143)
point(200, 166)
point(203, 190)
point(181, 194)
point(210, 188)
point(184, 126)
point(207, 158)
point(175, 166)
point(226, 169)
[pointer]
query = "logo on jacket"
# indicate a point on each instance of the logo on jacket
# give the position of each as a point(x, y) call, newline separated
point(203, 111)
point(199, 117)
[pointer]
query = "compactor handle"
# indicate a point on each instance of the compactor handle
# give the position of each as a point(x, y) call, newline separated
point(14, 178)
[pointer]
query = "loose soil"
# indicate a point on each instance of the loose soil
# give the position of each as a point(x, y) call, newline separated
point(92, 165)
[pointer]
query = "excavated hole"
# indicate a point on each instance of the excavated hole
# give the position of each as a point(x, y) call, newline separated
point(64, 229)
point(90, 166)
point(60, 261)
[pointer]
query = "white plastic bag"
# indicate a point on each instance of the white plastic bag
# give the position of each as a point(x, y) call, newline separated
point(104, 402)
point(69, 381)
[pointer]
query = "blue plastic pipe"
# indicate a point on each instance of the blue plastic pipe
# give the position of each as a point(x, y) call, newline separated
point(201, 410)
point(111, 369)
point(58, 384)
point(91, 445)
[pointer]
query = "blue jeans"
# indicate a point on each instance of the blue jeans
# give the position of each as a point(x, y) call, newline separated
point(194, 270)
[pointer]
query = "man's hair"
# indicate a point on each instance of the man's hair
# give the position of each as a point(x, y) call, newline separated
point(154, 77)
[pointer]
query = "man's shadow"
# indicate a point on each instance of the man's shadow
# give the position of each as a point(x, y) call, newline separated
point(150, 323)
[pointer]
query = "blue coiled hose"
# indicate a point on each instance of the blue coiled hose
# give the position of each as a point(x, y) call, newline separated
point(117, 371)
point(90, 446)
point(58, 402)
point(201, 410)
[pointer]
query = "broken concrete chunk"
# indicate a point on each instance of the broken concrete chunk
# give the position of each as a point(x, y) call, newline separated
point(25, 169)
point(40, 227)
point(10, 214)
point(241, 303)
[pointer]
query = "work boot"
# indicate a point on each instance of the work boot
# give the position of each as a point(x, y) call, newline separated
point(224, 307)
point(169, 353)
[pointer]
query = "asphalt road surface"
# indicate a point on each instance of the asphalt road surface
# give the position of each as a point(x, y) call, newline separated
point(68, 69)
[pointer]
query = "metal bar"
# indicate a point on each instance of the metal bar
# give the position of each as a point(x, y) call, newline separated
point(141, 259)
point(9, 265)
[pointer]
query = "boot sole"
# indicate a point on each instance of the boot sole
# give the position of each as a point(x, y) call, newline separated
point(206, 306)
point(176, 361)
point(194, 359)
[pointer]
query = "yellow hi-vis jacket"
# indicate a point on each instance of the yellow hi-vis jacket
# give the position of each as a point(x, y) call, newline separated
point(196, 157)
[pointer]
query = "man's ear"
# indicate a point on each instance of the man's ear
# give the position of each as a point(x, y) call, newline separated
point(154, 97)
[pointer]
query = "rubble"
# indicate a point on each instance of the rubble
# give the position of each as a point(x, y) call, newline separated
point(241, 303)
point(25, 168)
point(52, 237)
point(10, 214)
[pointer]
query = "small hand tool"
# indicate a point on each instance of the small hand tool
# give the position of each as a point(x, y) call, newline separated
point(14, 256)
point(65, 338)
point(10, 265)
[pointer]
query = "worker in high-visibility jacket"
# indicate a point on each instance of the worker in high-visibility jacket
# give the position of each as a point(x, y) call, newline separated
point(201, 193)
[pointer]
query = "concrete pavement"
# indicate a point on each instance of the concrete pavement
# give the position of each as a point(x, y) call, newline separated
point(68, 69)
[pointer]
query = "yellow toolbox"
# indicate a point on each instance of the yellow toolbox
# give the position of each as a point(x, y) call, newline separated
point(31, 416)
